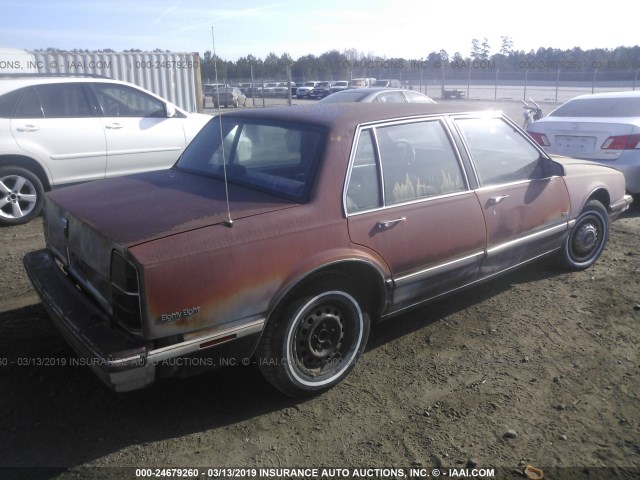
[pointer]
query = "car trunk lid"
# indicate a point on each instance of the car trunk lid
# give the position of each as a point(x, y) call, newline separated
point(139, 208)
point(593, 140)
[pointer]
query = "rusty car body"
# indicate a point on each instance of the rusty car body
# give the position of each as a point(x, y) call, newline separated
point(281, 233)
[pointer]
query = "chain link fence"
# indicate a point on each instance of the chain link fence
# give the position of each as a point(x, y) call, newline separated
point(465, 80)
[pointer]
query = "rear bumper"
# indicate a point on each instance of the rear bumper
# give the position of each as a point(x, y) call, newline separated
point(122, 362)
point(116, 359)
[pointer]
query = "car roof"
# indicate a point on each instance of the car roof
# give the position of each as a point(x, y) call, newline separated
point(11, 83)
point(348, 115)
point(8, 84)
point(625, 94)
point(370, 90)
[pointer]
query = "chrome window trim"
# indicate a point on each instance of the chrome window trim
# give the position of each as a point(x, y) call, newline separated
point(372, 127)
point(488, 188)
point(414, 201)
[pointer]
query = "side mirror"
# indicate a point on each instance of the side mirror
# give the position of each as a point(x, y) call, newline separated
point(555, 168)
point(171, 110)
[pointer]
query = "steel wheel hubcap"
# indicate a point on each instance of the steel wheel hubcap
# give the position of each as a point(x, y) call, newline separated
point(586, 238)
point(320, 336)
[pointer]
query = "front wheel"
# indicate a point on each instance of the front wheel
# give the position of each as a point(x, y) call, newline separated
point(21, 195)
point(587, 238)
point(313, 341)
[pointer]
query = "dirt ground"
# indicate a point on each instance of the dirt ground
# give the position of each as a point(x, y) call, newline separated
point(539, 367)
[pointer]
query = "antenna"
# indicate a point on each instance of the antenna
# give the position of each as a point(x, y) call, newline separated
point(229, 222)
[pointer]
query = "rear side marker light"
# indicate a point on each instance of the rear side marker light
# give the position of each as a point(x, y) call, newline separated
point(217, 341)
point(621, 142)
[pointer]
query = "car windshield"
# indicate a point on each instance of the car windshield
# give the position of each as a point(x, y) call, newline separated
point(599, 107)
point(346, 96)
point(276, 157)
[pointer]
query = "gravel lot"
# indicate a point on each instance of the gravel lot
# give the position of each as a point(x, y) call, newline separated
point(539, 367)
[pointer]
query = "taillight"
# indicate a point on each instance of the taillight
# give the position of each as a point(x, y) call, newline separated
point(621, 142)
point(125, 294)
point(540, 138)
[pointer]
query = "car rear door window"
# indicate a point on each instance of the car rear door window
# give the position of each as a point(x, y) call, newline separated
point(418, 160)
point(8, 103)
point(499, 152)
point(63, 100)
point(29, 106)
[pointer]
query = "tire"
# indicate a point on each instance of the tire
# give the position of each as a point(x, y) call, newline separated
point(314, 339)
point(587, 238)
point(21, 195)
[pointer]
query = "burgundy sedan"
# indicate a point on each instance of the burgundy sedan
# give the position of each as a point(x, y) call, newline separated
point(281, 233)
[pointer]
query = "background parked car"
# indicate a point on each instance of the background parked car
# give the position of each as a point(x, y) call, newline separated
point(362, 82)
point(379, 95)
point(62, 130)
point(339, 86)
point(305, 89)
point(602, 128)
point(228, 97)
point(321, 90)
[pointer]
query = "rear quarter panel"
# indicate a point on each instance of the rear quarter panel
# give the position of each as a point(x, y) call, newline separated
point(225, 274)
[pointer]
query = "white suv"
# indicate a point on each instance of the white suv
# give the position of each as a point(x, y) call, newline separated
point(56, 131)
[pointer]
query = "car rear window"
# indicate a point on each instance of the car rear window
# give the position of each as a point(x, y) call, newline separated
point(599, 107)
point(276, 157)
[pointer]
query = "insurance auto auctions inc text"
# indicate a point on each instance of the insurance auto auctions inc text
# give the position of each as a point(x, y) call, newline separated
point(327, 473)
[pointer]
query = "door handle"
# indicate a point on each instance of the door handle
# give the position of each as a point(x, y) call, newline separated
point(389, 223)
point(496, 200)
point(28, 128)
point(114, 126)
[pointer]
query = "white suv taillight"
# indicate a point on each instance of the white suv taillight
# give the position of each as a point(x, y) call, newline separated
point(622, 142)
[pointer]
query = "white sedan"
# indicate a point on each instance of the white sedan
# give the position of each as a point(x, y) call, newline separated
point(603, 128)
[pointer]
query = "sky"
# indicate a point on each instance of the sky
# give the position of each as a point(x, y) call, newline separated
point(409, 29)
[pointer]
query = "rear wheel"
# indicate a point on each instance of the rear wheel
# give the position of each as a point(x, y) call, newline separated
point(315, 338)
point(587, 238)
point(21, 195)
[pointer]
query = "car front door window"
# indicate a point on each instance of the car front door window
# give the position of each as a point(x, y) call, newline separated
point(501, 154)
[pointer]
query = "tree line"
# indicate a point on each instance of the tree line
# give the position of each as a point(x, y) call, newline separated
point(620, 63)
